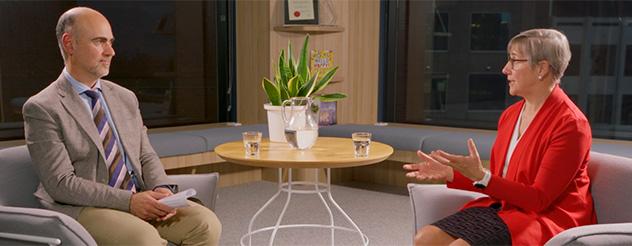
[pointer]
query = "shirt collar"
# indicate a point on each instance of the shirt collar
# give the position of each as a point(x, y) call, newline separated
point(77, 86)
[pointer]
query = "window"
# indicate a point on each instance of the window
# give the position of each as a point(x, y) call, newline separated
point(487, 92)
point(490, 31)
point(473, 52)
point(441, 34)
point(436, 94)
point(167, 52)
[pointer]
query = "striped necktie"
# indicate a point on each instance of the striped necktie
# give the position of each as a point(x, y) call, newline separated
point(119, 177)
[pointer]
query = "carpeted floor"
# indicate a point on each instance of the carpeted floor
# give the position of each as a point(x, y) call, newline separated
point(385, 218)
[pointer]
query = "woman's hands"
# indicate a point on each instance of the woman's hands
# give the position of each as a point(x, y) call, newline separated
point(438, 166)
point(428, 169)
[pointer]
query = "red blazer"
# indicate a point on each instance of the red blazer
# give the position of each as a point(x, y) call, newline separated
point(546, 189)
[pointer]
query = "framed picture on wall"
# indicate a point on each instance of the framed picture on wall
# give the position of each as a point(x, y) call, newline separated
point(301, 12)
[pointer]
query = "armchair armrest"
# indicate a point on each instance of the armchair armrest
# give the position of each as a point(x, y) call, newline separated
point(33, 225)
point(205, 185)
point(600, 234)
point(431, 202)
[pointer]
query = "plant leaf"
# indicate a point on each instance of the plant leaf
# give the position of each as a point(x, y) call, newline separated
point(272, 91)
point(293, 86)
point(324, 81)
point(331, 97)
point(303, 69)
point(291, 64)
point(307, 88)
point(284, 69)
point(283, 90)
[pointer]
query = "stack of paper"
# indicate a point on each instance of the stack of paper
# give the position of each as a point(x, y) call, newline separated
point(179, 199)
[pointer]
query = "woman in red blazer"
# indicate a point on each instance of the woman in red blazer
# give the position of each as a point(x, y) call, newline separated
point(537, 184)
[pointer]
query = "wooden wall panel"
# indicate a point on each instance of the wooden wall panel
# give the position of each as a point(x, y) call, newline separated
point(361, 83)
point(253, 58)
point(356, 51)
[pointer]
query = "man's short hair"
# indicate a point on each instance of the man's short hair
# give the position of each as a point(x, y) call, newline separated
point(64, 25)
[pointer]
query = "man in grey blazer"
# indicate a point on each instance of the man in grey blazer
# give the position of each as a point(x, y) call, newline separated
point(90, 149)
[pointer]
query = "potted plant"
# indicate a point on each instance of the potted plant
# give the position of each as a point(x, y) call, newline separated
point(293, 78)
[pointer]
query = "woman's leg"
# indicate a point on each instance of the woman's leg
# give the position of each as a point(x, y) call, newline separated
point(432, 235)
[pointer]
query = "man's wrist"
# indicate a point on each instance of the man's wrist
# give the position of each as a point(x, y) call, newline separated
point(173, 188)
point(482, 184)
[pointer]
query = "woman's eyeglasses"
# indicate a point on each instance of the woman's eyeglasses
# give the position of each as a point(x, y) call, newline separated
point(513, 61)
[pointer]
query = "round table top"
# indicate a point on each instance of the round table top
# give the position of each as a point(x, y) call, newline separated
point(328, 152)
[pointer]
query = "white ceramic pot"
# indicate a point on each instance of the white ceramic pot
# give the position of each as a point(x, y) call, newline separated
point(276, 127)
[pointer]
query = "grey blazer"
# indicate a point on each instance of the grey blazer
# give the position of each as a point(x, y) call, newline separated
point(68, 155)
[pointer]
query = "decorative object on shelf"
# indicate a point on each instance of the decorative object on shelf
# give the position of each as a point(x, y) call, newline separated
point(292, 78)
point(326, 13)
point(321, 60)
point(301, 12)
point(327, 114)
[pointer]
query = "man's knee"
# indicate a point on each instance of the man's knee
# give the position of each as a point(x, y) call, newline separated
point(206, 226)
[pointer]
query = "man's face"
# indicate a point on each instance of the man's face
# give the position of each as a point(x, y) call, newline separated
point(92, 42)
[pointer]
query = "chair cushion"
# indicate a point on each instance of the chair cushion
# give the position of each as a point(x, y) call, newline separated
point(607, 234)
point(610, 178)
point(456, 142)
point(613, 149)
point(174, 143)
point(400, 138)
point(45, 223)
point(17, 178)
point(220, 135)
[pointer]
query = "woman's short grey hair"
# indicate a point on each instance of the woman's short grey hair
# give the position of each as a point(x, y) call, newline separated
point(544, 45)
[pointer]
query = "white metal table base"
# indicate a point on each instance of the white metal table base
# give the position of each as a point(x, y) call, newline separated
point(318, 189)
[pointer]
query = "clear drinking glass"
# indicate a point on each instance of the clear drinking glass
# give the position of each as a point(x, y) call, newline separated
point(252, 143)
point(361, 143)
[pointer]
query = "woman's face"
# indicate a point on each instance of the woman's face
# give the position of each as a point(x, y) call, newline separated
point(520, 75)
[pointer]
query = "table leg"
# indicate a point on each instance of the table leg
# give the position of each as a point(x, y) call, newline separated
point(365, 239)
point(331, 216)
point(287, 202)
point(252, 220)
point(289, 190)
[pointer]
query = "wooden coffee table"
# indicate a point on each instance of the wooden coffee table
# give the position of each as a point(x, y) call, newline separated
point(327, 153)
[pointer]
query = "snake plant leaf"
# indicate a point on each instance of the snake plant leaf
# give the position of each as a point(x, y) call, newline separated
point(331, 97)
point(291, 64)
point(284, 69)
point(293, 86)
point(307, 88)
point(324, 81)
point(303, 69)
point(283, 90)
point(272, 91)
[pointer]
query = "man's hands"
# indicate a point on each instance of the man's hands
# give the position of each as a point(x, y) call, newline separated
point(146, 206)
point(439, 165)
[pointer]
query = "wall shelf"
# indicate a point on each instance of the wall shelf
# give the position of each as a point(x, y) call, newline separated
point(309, 28)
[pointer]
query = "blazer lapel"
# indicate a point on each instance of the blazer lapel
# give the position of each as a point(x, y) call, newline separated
point(533, 132)
point(76, 108)
point(117, 110)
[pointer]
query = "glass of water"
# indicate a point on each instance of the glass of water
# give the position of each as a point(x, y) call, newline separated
point(252, 143)
point(361, 143)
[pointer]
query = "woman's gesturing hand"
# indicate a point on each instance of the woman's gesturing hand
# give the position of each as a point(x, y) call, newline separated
point(470, 166)
point(428, 169)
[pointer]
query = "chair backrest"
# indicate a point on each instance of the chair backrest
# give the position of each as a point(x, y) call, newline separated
point(611, 183)
point(17, 178)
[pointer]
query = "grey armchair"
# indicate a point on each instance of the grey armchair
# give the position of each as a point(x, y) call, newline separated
point(611, 178)
point(24, 222)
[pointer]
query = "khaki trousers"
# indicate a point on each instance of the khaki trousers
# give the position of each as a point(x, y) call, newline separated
point(193, 225)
